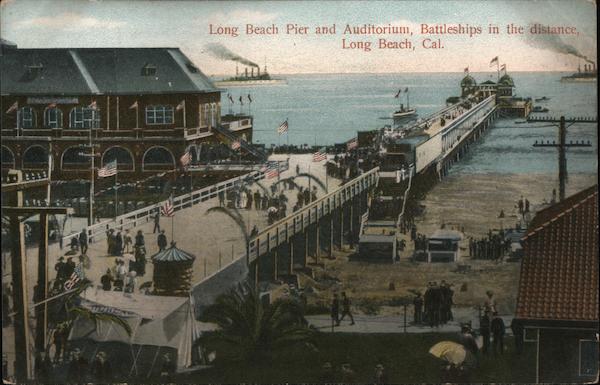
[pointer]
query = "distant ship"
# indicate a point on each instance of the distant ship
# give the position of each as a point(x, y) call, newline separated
point(404, 112)
point(249, 79)
point(589, 74)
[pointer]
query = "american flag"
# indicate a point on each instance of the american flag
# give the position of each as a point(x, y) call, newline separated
point(353, 143)
point(503, 67)
point(109, 169)
point(494, 60)
point(93, 105)
point(241, 100)
point(398, 93)
point(235, 145)
point(76, 277)
point(272, 172)
point(319, 156)
point(52, 105)
point(14, 107)
point(466, 70)
point(249, 98)
point(167, 209)
point(185, 159)
point(180, 106)
point(134, 105)
point(230, 98)
point(283, 127)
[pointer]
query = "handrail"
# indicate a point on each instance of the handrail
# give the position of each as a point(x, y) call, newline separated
point(133, 218)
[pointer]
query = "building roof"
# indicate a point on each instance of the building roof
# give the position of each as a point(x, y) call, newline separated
point(468, 81)
point(446, 234)
point(488, 82)
point(506, 80)
point(98, 71)
point(559, 271)
point(173, 254)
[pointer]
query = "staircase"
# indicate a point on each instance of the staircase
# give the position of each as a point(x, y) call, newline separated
point(231, 137)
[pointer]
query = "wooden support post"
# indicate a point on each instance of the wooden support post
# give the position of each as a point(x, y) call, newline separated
point(257, 264)
point(275, 255)
point(23, 364)
point(330, 250)
point(317, 241)
point(291, 253)
point(305, 248)
point(42, 285)
point(341, 226)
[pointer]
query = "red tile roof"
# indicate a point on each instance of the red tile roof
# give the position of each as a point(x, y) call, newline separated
point(559, 271)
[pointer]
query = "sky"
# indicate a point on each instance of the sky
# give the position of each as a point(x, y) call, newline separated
point(186, 24)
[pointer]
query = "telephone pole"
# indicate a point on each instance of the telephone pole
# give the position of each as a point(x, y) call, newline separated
point(562, 145)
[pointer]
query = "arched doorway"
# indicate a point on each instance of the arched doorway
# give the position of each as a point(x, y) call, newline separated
point(8, 158)
point(122, 155)
point(158, 158)
point(72, 159)
point(35, 157)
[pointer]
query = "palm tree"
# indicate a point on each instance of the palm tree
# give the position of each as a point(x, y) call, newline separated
point(252, 330)
point(233, 214)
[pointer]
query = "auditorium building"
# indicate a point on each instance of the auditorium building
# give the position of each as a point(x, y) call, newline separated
point(144, 107)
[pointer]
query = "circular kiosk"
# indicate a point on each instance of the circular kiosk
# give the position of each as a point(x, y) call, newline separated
point(173, 270)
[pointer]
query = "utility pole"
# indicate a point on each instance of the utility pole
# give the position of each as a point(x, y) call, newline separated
point(92, 155)
point(562, 145)
point(16, 214)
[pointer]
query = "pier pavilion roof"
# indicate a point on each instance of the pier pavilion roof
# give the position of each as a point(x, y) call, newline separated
point(173, 254)
point(506, 80)
point(559, 271)
point(100, 71)
point(468, 81)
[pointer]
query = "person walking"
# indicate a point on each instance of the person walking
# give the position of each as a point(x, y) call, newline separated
point(118, 247)
point(221, 198)
point(83, 241)
point(418, 305)
point(139, 239)
point(484, 330)
point(346, 309)
point(156, 222)
point(335, 310)
point(127, 242)
point(162, 241)
point(498, 330)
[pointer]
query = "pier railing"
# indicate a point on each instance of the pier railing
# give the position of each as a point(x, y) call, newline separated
point(135, 218)
point(280, 232)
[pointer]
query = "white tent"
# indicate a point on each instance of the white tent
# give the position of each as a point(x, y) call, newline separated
point(155, 321)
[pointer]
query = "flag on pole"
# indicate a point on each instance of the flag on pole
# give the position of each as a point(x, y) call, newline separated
point(503, 67)
point(494, 60)
point(52, 105)
point(236, 145)
point(167, 209)
point(76, 277)
point(398, 93)
point(352, 144)
point(249, 98)
point(14, 107)
point(134, 105)
point(319, 156)
point(109, 169)
point(186, 159)
point(180, 105)
point(466, 70)
point(241, 100)
point(230, 98)
point(272, 172)
point(283, 127)
point(93, 105)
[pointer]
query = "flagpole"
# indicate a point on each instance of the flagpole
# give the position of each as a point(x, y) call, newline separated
point(309, 185)
point(287, 134)
point(116, 190)
point(184, 125)
point(137, 116)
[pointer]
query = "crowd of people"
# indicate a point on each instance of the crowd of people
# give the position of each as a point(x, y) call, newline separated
point(492, 247)
point(434, 308)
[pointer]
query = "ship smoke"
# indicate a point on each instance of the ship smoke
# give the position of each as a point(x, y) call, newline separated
point(221, 52)
point(553, 43)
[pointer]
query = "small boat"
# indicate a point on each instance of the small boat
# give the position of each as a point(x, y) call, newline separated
point(542, 99)
point(539, 109)
point(404, 112)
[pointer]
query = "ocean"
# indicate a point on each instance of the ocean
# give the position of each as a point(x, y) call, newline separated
point(325, 109)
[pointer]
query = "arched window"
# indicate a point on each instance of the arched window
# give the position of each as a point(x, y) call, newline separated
point(159, 115)
point(53, 117)
point(213, 115)
point(8, 158)
point(84, 117)
point(206, 113)
point(27, 118)
point(35, 157)
point(158, 158)
point(122, 155)
point(73, 159)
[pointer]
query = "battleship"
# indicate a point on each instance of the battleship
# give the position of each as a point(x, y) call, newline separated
point(249, 79)
point(589, 74)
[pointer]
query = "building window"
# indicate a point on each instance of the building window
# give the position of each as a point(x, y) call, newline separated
point(53, 117)
point(84, 117)
point(205, 117)
point(213, 115)
point(159, 115)
point(149, 70)
point(588, 358)
point(26, 117)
